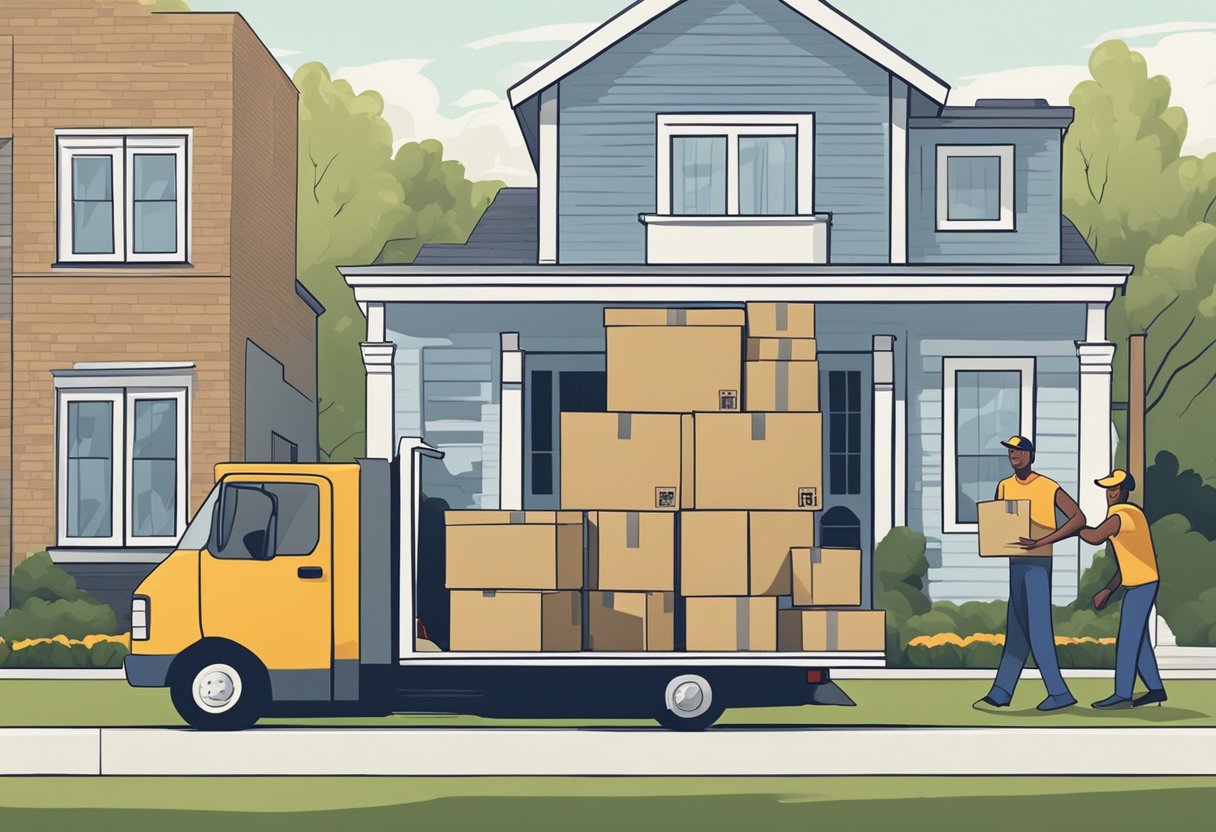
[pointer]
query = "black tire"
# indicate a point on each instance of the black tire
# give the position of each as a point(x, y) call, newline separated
point(672, 722)
point(247, 680)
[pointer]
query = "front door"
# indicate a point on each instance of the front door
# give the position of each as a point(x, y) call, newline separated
point(555, 383)
point(272, 592)
point(846, 521)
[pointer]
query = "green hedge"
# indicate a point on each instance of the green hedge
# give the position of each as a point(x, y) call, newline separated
point(105, 654)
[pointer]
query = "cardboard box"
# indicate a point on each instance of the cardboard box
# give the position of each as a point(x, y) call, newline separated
point(826, 577)
point(713, 553)
point(674, 360)
point(781, 320)
point(781, 349)
point(811, 631)
point(773, 536)
point(781, 386)
point(759, 461)
point(493, 621)
point(627, 461)
point(1002, 523)
point(625, 622)
point(730, 624)
point(536, 550)
point(631, 550)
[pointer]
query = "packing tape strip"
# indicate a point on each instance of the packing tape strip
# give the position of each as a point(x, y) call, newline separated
point(757, 427)
point(593, 547)
point(816, 554)
point(677, 317)
point(783, 385)
point(576, 608)
point(608, 599)
point(833, 630)
point(785, 349)
point(624, 426)
point(783, 317)
point(743, 624)
point(518, 517)
point(632, 530)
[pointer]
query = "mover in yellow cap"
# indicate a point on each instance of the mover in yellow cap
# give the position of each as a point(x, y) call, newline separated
point(1028, 627)
point(1127, 529)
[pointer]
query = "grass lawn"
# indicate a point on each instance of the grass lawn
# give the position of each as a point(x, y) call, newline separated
point(926, 702)
point(607, 804)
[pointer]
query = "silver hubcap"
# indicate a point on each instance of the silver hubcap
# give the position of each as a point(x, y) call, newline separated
point(217, 688)
point(688, 697)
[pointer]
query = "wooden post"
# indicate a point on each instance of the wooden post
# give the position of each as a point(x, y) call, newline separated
point(1135, 412)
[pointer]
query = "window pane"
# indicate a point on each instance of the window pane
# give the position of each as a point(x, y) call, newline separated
point(155, 429)
point(854, 473)
point(90, 469)
point(838, 430)
point(542, 474)
point(92, 178)
point(299, 518)
point(767, 174)
point(155, 227)
point(698, 175)
point(854, 391)
point(838, 482)
point(974, 187)
point(836, 391)
point(90, 429)
point(153, 497)
point(542, 410)
point(93, 228)
point(988, 410)
point(977, 479)
point(155, 176)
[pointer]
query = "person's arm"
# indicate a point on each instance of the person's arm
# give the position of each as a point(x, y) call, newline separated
point(1074, 523)
point(1107, 529)
point(1103, 595)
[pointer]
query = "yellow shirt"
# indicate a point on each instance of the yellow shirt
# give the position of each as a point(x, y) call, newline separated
point(1040, 491)
point(1134, 546)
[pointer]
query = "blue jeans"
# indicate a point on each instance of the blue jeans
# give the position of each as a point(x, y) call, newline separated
point(1028, 629)
point(1134, 651)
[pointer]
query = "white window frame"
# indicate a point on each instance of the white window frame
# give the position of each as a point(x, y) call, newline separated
point(951, 367)
point(1005, 221)
point(110, 384)
point(122, 146)
point(732, 126)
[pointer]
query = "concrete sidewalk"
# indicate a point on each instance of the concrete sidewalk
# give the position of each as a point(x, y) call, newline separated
point(475, 752)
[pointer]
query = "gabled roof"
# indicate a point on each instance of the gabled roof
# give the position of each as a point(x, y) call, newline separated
point(506, 233)
point(634, 17)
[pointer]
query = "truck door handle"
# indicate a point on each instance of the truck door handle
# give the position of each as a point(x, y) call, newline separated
point(310, 572)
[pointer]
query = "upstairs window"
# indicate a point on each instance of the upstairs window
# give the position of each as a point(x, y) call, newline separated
point(735, 165)
point(122, 197)
point(975, 188)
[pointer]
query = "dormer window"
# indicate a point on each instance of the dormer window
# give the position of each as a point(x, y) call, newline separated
point(975, 187)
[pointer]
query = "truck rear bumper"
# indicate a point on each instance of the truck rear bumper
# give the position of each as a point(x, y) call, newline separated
point(147, 671)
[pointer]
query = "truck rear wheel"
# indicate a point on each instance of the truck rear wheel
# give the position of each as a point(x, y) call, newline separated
point(219, 690)
point(689, 704)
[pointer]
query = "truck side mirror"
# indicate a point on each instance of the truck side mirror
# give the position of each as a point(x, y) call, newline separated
point(245, 523)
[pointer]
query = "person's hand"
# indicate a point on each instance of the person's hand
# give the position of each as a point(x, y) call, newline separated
point(1101, 597)
point(1027, 543)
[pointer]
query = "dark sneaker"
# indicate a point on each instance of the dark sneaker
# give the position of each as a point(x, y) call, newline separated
point(1111, 703)
point(1153, 697)
point(1055, 703)
point(989, 702)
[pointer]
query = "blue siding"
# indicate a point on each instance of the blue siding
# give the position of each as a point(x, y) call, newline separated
point(720, 57)
point(1036, 183)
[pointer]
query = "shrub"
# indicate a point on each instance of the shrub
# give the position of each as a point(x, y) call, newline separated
point(1187, 597)
point(38, 577)
point(98, 651)
point(1170, 490)
point(47, 602)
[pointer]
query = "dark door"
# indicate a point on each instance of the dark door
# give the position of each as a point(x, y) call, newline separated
point(555, 383)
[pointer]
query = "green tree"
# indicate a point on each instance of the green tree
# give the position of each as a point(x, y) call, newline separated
point(166, 5)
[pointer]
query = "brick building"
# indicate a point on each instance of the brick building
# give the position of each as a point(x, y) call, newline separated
point(151, 324)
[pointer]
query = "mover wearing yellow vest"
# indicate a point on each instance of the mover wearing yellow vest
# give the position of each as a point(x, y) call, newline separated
point(1028, 627)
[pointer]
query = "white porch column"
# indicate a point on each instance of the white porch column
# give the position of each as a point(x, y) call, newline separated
point(380, 427)
point(1096, 355)
point(884, 436)
point(511, 449)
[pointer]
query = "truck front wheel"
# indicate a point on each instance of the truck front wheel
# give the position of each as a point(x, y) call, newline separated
point(216, 690)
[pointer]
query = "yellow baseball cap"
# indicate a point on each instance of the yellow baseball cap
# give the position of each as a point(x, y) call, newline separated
point(1117, 478)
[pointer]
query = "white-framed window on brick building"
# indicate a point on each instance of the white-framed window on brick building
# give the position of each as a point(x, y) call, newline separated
point(122, 442)
point(123, 196)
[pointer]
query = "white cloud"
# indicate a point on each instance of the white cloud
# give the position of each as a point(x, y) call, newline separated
point(1185, 58)
point(1155, 29)
point(284, 53)
point(476, 98)
point(555, 33)
point(486, 138)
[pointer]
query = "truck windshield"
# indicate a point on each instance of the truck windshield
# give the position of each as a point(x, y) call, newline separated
point(199, 529)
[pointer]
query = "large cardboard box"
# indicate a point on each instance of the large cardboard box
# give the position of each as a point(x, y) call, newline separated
point(773, 536)
point(627, 461)
point(713, 553)
point(674, 360)
point(810, 631)
point(1003, 523)
point(516, 621)
point(631, 550)
point(759, 461)
point(730, 624)
point(631, 621)
point(781, 349)
point(781, 386)
point(535, 550)
point(781, 320)
point(826, 577)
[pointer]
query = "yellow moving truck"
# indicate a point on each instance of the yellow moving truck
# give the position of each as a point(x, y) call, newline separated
point(294, 592)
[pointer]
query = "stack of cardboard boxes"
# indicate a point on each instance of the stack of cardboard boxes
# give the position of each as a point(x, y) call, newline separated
point(692, 498)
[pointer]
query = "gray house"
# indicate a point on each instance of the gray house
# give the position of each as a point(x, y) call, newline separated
point(713, 152)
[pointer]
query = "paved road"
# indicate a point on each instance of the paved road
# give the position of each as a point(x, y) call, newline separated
point(598, 752)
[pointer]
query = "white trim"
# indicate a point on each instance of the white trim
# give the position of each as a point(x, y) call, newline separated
point(548, 178)
point(379, 413)
point(181, 496)
point(69, 148)
point(1003, 152)
point(638, 15)
point(732, 126)
point(819, 661)
point(1025, 367)
point(901, 458)
point(899, 171)
point(117, 487)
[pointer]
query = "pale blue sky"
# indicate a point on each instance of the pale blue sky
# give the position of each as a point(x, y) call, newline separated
point(956, 39)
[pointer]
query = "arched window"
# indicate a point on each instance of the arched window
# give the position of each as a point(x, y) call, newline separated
point(839, 529)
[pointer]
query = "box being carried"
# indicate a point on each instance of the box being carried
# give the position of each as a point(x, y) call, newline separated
point(633, 551)
point(731, 624)
point(625, 622)
point(534, 550)
point(1002, 523)
point(674, 360)
point(827, 577)
point(809, 631)
point(627, 461)
point(759, 461)
point(516, 621)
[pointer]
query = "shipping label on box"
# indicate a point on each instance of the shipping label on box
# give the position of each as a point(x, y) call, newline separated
point(626, 461)
point(730, 624)
point(759, 461)
point(826, 577)
point(781, 349)
point(773, 536)
point(782, 386)
point(1002, 523)
point(781, 320)
point(513, 550)
point(624, 622)
point(495, 621)
point(713, 553)
point(810, 631)
point(631, 551)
